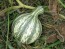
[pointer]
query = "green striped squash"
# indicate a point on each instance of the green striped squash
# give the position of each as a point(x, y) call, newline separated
point(27, 27)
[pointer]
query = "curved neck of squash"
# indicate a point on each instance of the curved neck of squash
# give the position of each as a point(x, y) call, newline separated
point(38, 11)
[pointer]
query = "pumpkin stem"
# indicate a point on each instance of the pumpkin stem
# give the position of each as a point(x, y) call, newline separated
point(39, 10)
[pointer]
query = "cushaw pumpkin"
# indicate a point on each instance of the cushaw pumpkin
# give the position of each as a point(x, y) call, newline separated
point(26, 27)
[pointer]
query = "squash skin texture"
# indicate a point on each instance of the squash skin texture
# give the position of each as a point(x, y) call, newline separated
point(27, 28)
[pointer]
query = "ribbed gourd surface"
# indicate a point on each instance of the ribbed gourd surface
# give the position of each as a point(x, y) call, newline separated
point(27, 27)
